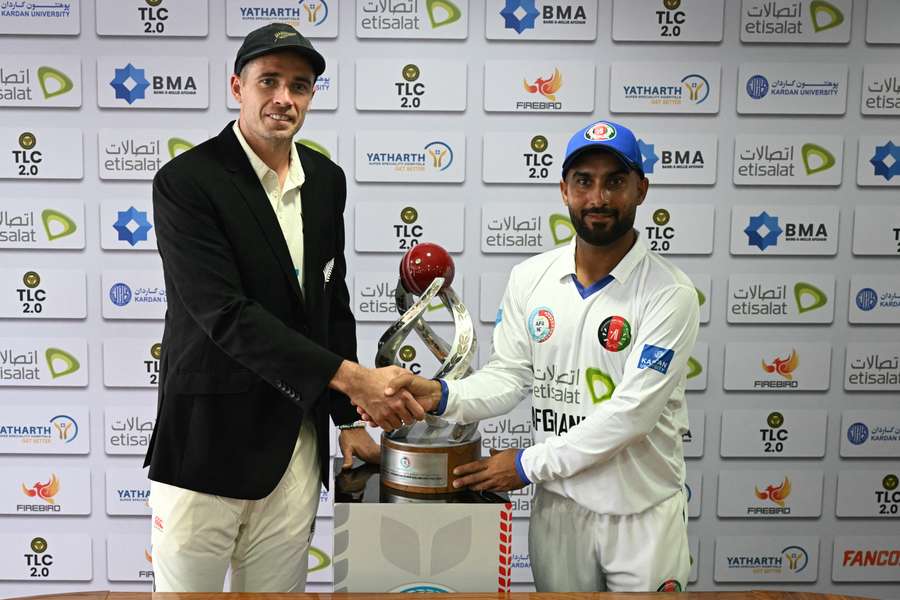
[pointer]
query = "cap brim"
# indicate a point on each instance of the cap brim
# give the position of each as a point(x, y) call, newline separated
point(599, 148)
point(316, 60)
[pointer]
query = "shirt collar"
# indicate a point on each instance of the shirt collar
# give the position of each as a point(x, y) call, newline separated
point(564, 266)
point(295, 176)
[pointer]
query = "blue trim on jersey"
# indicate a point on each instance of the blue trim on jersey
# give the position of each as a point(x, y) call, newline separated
point(445, 393)
point(519, 468)
point(594, 287)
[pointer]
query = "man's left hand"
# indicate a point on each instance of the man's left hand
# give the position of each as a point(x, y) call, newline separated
point(496, 473)
point(358, 442)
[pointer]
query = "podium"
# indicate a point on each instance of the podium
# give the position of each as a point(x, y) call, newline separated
point(391, 541)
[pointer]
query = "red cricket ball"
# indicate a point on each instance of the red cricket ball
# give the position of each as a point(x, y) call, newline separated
point(422, 264)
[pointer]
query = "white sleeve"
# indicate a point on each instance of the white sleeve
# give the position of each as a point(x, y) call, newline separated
point(654, 368)
point(499, 385)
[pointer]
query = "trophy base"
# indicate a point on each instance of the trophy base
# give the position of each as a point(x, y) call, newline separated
point(423, 461)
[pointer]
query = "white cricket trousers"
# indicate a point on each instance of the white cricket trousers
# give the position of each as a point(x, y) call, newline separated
point(574, 549)
point(196, 537)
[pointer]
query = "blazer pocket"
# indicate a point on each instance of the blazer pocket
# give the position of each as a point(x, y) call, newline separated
point(196, 382)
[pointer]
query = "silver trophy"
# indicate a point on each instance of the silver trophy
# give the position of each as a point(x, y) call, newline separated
point(420, 457)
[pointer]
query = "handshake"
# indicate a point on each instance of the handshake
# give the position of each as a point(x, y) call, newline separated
point(389, 397)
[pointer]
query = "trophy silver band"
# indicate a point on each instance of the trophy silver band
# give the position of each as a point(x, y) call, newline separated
point(420, 457)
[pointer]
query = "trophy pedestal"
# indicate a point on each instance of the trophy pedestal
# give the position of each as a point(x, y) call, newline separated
point(422, 462)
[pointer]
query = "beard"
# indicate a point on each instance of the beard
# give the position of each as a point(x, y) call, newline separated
point(602, 233)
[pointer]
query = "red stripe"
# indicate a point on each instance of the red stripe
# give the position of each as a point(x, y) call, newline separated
point(614, 334)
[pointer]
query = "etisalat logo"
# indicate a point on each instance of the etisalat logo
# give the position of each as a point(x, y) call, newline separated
point(784, 368)
point(521, 15)
point(17, 85)
point(777, 495)
point(396, 15)
point(764, 161)
point(789, 19)
point(760, 300)
point(20, 228)
point(59, 362)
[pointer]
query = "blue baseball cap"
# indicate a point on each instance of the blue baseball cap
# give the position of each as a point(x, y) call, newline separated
point(606, 136)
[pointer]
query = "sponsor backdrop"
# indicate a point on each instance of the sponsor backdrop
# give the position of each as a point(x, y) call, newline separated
point(769, 131)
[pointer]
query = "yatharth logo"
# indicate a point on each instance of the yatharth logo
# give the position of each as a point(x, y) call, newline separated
point(600, 385)
point(763, 231)
point(451, 12)
point(866, 299)
point(808, 297)
point(66, 427)
point(132, 226)
point(824, 15)
point(60, 363)
point(519, 15)
point(441, 155)
point(135, 90)
point(648, 156)
point(316, 11)
point(809, 152)
point(53, 82)
point(56, 224)
point(757, 87)
point(178, 145)
point(561, 229)
point(886, 160)
point(697, 87)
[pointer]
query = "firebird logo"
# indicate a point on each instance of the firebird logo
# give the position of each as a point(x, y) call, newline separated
point(545, 87)
point(783, 366)
point(44, 491)
point(775, 493)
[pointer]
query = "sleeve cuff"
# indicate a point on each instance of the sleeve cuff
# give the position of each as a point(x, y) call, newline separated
point(445, 393)
point(519, 469)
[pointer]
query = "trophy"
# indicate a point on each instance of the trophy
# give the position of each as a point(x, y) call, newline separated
point(420, 457)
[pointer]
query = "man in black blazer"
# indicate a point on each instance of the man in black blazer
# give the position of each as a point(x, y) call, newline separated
point(259, 347)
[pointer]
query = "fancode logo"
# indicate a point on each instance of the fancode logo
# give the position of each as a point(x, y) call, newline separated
point(44, 491)
point(545, 87)
point(783, 366)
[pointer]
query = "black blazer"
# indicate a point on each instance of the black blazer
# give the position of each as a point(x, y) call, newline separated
point(245, 356)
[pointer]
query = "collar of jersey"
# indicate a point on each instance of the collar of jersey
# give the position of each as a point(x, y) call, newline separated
point(564, 267)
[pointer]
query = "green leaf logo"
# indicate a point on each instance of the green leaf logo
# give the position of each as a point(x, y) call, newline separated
point(69, 363)
point(833, 16)
point(694, 367)
point(815, 297)
point(177, 146)
point(452, 12)
point(64, 225)
point(315, 146)
point(701, 297)
point(600, 385)
point(321, 560)
point(63, 83)
point(561, 229)
point(825, 158)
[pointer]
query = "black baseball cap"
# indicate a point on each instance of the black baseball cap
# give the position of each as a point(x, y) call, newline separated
point(276, 37)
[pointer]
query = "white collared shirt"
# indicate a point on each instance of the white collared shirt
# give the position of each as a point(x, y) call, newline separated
point(285, 200)
point(605, 368)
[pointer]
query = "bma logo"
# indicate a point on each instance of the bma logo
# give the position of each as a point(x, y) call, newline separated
point(27, 158)
point(648, 156)
point(773, 437)
point(777, 494)
point(886, 160)
point(130, 84)
point(521, 15)
point(888, 499)
point(316, 11)
point(672, 159)
point(866, 299)
point(784, 368)
point(132, 226)
point(858, 434)
point(763, 231)
point(120, 294)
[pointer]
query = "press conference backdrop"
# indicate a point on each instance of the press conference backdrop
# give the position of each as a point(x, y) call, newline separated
point(770, 134)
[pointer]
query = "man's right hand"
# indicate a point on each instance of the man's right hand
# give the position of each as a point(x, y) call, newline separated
point(365, 387)
point(427, 392)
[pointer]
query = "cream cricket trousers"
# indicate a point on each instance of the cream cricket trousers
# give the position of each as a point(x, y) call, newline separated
point(574, 549)
point(195, 537)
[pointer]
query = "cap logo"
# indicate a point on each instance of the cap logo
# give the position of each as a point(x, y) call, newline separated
point(280, 35)
point(600, 132)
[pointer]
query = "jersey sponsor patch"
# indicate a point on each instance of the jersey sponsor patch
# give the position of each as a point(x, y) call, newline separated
point(614, 333)
point(669, 585)
point(656, 358)
point(541, 324)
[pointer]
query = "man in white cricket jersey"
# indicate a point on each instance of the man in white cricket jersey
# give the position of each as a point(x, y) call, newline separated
point(598, 333)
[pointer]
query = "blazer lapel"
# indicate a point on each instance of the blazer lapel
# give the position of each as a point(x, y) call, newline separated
point(311, 203)
point(246, 182)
